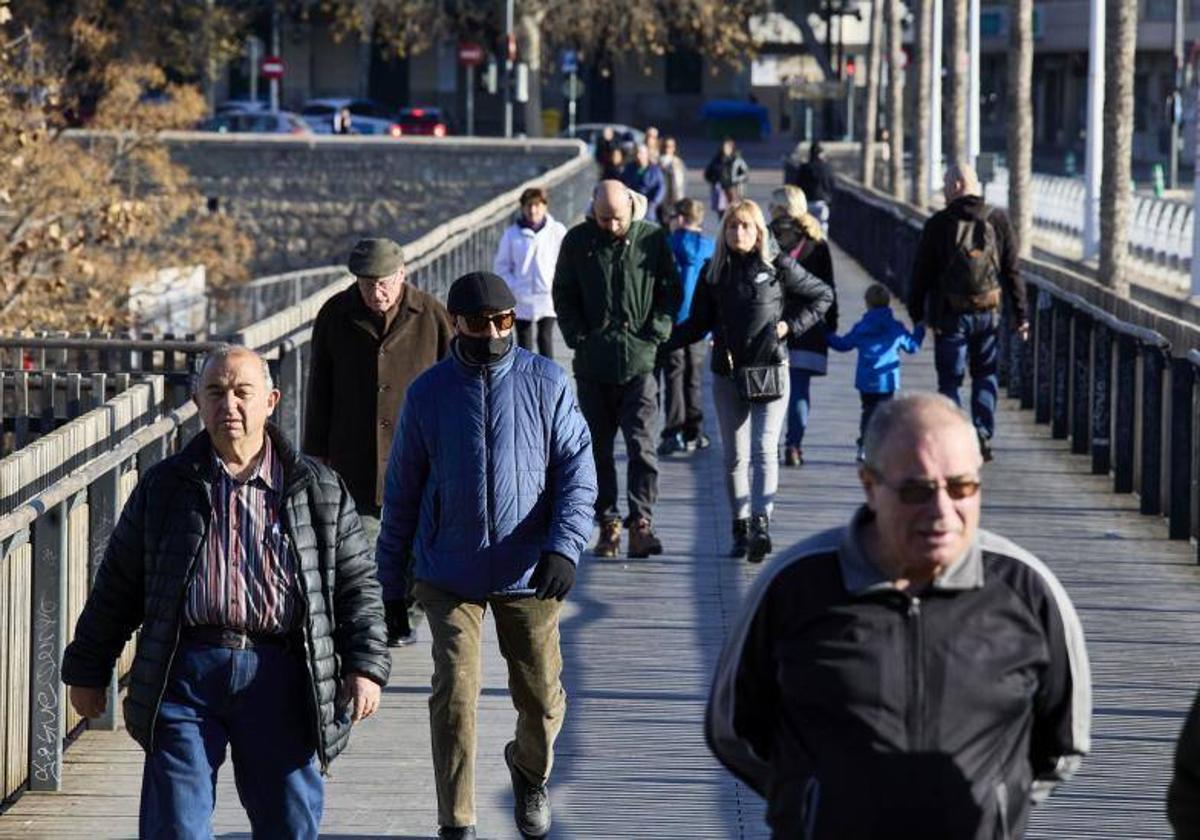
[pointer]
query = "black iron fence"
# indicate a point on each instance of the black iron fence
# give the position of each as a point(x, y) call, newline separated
point(1118, 392)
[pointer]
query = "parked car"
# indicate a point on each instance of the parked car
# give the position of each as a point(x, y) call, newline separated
point(366, 116)
point(265, 122)
point(243, 105)
point(628, 136)
point(423, 120)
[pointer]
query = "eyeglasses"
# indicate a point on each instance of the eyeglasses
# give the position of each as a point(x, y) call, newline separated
point(917, 492)
point(380, 282)
point(479, 323)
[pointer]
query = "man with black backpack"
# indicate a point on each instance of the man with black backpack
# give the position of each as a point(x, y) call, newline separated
point(965, 269)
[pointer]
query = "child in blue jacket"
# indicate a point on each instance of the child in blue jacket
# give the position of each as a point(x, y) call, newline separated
point(879, 338)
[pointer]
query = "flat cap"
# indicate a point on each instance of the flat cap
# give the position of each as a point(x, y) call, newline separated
point(479, 292)
point(375, 258)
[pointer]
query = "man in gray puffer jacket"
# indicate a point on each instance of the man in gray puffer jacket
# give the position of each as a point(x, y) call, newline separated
point(245, 566)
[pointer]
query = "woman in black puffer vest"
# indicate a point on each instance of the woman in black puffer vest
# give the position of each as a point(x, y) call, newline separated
point(799, 236)
point(750, 297)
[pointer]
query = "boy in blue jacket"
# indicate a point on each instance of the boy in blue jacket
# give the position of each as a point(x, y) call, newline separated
point(878, 337)
point(683, 369)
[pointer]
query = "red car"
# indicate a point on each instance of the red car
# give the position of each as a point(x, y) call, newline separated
point(430, 122)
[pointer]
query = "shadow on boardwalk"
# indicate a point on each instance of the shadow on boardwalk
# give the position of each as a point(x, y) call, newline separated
point(640, 640)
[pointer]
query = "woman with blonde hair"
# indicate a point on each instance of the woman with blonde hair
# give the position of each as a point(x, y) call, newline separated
point(751, 297)
point(799, 235)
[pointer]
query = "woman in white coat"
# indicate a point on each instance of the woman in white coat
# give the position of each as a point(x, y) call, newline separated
point(525, 259)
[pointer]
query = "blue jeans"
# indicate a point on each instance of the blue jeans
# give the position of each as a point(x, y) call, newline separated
point(255, 701)
point(797, 419)
point(971, 345)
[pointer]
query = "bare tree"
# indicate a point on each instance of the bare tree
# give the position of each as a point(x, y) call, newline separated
point(956, 102)
point(874, 73)
point(1115, 194)
point(1020, 121)
point(921, 104)
point(529, 30)
point(895, 98)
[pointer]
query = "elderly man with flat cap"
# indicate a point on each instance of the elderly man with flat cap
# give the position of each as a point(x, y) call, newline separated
point(369, 342)
point(909, 674)
point(490, 485)
point(617, 290)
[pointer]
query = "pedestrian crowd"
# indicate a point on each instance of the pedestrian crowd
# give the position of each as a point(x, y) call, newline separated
point(448, 470)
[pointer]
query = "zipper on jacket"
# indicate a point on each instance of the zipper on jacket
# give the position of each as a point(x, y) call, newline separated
point(310, 667)
point(487, 456)
point(187, 584)
point(916, 676)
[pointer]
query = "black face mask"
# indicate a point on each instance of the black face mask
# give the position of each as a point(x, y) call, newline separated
point(481, 350)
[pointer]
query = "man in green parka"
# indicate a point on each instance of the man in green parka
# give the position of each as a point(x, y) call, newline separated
point(616, 292)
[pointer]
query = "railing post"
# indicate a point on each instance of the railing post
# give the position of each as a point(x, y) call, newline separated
point(1004, 342)
point(46, 693)
point(1045, 343)
point(1062, 369)
point(103, 494)
point(1183, 382)
point(1081, 415)
point(1101, 399)
point(1152, 429)
point(1124, 439)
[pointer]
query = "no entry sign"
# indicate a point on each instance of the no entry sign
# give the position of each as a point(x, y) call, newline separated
point(470, 54)
point(272, 67)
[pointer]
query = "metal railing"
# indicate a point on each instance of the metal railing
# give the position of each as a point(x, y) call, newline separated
point(50, 543)
point(1118, 392)
point(1160, 230)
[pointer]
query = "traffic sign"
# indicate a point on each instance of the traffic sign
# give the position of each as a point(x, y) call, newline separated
point(569, 60)
point(572, 87)
point(272, 67)
point(470, 54)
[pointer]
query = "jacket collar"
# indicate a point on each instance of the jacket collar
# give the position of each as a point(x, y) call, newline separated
point(861, 576)
point(496, 368)
point(195, 460)
point(350, 305)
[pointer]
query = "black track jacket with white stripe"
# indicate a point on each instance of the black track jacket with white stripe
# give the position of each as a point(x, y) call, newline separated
point(862, 711)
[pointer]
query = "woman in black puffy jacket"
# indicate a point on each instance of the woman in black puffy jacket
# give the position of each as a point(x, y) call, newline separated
point(751, 298)
point(799, 235)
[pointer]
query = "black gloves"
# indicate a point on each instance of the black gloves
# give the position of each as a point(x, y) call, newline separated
point(553, 577)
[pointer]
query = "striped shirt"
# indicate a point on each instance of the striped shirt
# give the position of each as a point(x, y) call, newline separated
point(245, 576)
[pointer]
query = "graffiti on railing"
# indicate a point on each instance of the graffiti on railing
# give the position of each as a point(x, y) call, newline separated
point(45, 751)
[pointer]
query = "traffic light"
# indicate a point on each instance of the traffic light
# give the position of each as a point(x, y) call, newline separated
point(850, 66)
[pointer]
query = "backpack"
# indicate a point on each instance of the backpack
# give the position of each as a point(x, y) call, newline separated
point(971, 279)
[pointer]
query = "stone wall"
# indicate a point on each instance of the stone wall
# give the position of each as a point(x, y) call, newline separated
point(305, 201)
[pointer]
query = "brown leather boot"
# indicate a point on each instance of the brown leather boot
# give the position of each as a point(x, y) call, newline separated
point(609, 544)
point(642, 542)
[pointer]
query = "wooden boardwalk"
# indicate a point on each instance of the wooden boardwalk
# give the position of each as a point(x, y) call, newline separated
point(641, 639)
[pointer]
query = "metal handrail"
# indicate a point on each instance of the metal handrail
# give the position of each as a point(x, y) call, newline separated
point(1117, 391)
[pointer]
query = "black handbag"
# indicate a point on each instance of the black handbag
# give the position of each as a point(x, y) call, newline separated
point(759, 383)
point(755, 383)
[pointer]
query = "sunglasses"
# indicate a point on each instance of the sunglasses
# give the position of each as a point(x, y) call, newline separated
point(917, 492)
point(479, 323)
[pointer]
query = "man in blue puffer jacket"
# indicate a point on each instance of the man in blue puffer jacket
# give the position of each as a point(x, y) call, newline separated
point(491, 483)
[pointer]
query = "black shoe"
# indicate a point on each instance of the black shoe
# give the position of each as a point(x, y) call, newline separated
point(741, 538)
point(402, 639)
point(672, 444)
point(531, 806)
point(985, 448)
point(760, 539)
point(700, 441)
point(456, 832)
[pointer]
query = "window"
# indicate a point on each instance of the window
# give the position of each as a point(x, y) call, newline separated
point(685, 70)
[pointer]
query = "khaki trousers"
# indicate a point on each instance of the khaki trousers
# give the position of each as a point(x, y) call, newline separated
point(527, 630)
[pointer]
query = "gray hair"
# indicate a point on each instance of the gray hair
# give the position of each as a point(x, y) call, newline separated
point(900, 412)
point(964, 173)
point(221, 353)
